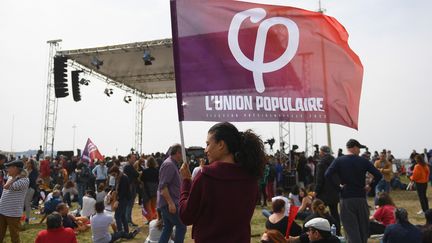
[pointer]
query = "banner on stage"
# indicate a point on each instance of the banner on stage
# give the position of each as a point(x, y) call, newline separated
point(238, 61)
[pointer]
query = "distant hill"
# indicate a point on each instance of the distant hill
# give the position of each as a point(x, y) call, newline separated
point(27, 153)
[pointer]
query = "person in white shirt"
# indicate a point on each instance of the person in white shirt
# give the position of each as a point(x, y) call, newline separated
point(100, 224)
point(199, 168)
point(155, 230)
point(279, 193)
point(89, 202)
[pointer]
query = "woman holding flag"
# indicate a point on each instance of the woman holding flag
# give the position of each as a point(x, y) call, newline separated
point(237, 161)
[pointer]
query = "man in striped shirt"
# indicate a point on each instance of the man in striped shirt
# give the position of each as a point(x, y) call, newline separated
point(12, 200)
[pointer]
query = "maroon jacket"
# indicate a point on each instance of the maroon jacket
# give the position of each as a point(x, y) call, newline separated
point(219, 203)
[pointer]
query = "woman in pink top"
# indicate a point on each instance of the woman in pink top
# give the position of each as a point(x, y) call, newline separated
point(384, 215)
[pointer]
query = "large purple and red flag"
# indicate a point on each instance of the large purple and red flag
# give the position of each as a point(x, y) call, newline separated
point(91, 152)
point(238, 61)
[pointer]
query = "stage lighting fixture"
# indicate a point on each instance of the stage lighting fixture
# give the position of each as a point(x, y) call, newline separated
point(108, 92)
point(84, 81)
point(96, 62)
point(148, 58)
point(127, 99)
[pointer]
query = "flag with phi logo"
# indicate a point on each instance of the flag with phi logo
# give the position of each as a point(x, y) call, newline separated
point(91, 152)
point(238, 61)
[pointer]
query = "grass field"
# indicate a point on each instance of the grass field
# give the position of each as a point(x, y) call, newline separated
point(405, 199)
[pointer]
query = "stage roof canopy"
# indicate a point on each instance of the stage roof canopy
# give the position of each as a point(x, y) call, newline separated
point(124, 65)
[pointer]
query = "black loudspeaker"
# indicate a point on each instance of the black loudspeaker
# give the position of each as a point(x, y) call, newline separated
point(60, 77)
point(68, 154)
point(289, 180)
point(75, 85)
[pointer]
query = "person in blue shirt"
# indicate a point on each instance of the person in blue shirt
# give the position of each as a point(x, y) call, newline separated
point(403, 231)
point(354, 210)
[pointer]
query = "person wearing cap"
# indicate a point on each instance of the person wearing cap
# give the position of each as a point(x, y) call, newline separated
point(354, 210)
point(323, 188)
point(318, 231)
point(12, 200)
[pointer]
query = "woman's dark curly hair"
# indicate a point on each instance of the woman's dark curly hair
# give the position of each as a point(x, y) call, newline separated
point(247, 147)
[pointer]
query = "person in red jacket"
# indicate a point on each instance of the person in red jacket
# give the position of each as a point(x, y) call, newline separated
point(221, 199)
point(55, 233)
point(45, 170)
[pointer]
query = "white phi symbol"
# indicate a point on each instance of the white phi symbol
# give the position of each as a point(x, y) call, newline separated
point(257, 65)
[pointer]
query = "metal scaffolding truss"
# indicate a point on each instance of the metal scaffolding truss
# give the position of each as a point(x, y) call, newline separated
point(119, 48)
point(139, 115)
point(50, 102)
point(284, 137)
point(309, 149)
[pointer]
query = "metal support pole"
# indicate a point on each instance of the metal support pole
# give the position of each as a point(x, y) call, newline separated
point(50, 102)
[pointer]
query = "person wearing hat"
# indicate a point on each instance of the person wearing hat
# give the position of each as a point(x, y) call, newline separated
point(12, 200)
point(354, 210)
point(318, 231)
point(324, 190)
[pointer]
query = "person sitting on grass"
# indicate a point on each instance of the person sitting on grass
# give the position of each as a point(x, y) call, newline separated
point(79, 224)
point(55, 232)
point(273, 236)
point(101, 192)
point(294, 196)
point(50, 195)
point(318, 231)
point(69, 192)
point(155, 230)
point(279, 221)
point(51, 205)
point(403, 231)
point(100, 223)
point(306, 203)
point(89, 201)
point(279, 195)
point(109, 201)
point(319, 211)
point(383, 216)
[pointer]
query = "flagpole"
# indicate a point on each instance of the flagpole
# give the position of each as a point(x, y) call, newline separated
point(329, 142)
point(176, 53)
point(182, 141)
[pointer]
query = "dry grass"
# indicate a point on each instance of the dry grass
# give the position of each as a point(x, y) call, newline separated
point(405, 199)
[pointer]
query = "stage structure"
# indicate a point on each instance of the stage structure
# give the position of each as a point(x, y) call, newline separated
point(144, 70)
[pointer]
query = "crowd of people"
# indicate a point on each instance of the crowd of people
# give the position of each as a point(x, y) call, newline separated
point(328, 197)
point(341, 186)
